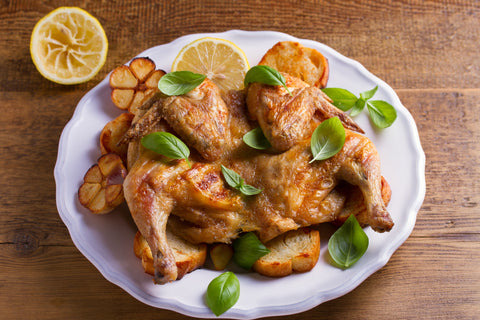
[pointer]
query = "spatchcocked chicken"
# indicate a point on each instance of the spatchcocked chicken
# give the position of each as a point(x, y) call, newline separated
point(196, 201)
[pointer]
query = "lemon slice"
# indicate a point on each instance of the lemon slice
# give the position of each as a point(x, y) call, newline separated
point(68, 46)
point(220, 60)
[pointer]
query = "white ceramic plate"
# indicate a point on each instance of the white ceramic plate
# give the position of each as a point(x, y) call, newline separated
point(107, 240)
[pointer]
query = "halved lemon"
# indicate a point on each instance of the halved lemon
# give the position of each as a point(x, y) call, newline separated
point(220, 60)
point(68, 46)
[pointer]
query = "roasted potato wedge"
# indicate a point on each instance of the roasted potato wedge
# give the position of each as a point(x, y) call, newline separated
point(134, 84)
point(298, 61)
point(102, 188)
point(113, 132)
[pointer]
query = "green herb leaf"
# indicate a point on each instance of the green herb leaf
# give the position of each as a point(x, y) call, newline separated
point(223, 292)
point(358, 108)
point(179, 82)
point(368, 94)
point(249, 190)
point(256, 139)
point(265, 75)
point(342, 98)
point(166, 144)
point(327, 139)
point(348, 244)
point(382, 113)
point(247, 249)
point(235, 181)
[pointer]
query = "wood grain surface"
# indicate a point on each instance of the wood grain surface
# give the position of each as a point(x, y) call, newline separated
point(428, 51)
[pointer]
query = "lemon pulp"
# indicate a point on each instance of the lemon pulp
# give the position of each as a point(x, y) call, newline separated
point(68, 46)
point(220, 60)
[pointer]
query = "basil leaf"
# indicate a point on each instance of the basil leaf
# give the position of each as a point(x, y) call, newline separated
point(348, 244)
point(256, 139)
point(368, 94)
point(327, 139)
point(223, 292)
point(359, 106)
point(247, 249)
point(166, 144)
point(249, 190)
point(382, 113)
point(235, 181)
point(342, 98)
point(265, 75)
point(179, 82)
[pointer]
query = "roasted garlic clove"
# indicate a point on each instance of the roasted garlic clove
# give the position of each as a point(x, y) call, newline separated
point(102, 189)
point(221, 254)
point(134, 84)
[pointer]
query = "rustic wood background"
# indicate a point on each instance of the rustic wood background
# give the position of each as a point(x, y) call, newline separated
point(428, 51)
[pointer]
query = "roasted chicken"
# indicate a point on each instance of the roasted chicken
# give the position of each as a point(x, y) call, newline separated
point(200, 206)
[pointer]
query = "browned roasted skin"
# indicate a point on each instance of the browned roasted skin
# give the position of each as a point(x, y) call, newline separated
point(296, 193)
point(287, 118)
point(294, 189)
point(200, 117)
point(157, 187)
point(148, 186)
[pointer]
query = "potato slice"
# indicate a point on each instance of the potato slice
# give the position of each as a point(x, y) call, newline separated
point(133, 85)
point(102, 188)
point(113, 132)
point(293, 58)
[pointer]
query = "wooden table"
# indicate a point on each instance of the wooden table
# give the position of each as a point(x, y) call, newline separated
point(428, 52)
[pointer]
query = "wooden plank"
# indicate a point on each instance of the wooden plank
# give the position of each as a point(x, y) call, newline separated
point(426, 50)
point(423, 272)
point(448, 123)
point(30, 127)
point(418, 46)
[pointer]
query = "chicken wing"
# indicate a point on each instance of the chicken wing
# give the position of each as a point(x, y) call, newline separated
point(286, 119)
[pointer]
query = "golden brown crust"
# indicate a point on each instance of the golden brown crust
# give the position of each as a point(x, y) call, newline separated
point(133, 85)
point(113, 132)
point(355, 203)
point(293, 251)
point(102, 190)
point(188, 257)
point(293, 58)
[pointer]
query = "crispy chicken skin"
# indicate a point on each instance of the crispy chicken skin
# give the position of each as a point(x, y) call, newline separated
point(287, 119)
point(196, 200)
point(187, 114)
